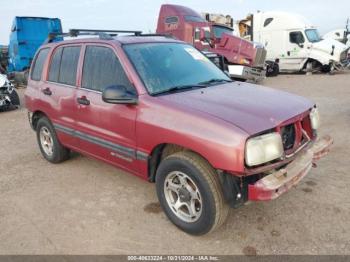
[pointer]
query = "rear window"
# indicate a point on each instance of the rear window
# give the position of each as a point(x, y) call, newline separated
point(64, 64)
point(38, 65)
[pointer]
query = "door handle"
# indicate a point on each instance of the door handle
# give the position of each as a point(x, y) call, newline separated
point(47, 91)
point(288, 53)
point(83, 101)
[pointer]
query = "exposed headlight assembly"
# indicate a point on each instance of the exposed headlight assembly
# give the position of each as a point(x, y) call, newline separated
point(264, 148)
point(315, 118)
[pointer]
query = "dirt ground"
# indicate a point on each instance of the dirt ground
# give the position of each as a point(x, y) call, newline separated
point(84, 206)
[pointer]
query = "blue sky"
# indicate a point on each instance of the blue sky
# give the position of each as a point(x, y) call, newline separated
point(143, 14)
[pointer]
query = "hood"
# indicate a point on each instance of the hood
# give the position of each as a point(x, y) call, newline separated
point(326, 45)
point(252, 108)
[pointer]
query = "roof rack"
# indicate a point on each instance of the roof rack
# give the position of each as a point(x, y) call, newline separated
point(164, 35)
point(103, 34)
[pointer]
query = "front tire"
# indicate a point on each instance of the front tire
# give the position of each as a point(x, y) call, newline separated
point(190, 193)
point(51, 149)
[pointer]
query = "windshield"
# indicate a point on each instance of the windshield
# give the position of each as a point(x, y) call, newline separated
point(312, 35)
point(219, 30)
point(165, 66)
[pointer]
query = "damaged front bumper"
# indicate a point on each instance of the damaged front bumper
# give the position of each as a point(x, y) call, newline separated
point(278, 182)
point(246, 73)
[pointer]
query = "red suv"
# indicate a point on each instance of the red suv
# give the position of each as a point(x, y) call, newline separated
point(159, 109)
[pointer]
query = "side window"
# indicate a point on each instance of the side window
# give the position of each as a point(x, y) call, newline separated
point(267, 21)
point(38, 64)
point(296, 37)
point(197, 33)
point(69, 65)
point(102, 69)
point(171, 20)
point(55, 65)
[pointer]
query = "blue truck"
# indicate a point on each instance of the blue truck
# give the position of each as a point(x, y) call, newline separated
point(27, 35)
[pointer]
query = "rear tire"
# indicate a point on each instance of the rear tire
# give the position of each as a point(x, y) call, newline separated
point(196, 205)
point(51, 149)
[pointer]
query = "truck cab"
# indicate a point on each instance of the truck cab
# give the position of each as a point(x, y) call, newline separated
point(27, 35)
point(243, 59)
point(294, 41)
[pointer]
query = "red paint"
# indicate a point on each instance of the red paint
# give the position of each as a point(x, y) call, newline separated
point(214, 122)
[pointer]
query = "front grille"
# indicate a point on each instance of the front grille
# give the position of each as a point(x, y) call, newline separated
point(260, 57)
point(288, 136)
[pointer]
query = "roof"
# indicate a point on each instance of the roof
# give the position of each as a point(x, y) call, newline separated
point(35, 17)
point(119, 40)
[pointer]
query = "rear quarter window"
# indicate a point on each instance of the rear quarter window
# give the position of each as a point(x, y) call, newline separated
point(38, 65)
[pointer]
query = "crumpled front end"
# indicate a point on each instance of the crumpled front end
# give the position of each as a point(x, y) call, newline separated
point(278, 182)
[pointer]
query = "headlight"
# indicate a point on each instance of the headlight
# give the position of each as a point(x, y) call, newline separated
point(315, 118)
point(264, 148)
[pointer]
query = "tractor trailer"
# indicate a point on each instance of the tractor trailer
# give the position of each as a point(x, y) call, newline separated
point(242, 59)
point(293, 42)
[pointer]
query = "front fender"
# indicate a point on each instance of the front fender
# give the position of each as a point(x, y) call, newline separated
point(219, 142)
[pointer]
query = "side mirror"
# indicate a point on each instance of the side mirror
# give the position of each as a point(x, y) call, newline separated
point(118, 95)
point(301, 45)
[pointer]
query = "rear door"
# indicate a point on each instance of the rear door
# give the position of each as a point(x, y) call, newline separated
point(60, 91)
point(106, 131)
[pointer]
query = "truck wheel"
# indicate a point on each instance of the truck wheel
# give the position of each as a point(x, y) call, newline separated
point(51, 149)
point(14, 98)
point(190, 193)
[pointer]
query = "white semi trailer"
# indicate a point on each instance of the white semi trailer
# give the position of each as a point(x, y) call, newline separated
point(291, 40)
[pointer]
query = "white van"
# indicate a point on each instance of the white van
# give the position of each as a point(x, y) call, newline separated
point(294, 42)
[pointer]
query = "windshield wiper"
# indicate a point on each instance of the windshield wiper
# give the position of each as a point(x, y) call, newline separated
point(215, 81)
point(179, 88)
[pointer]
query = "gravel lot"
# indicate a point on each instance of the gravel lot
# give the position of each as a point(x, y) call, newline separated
point(84, 206)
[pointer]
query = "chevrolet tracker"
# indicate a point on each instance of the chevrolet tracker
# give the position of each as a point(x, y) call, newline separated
point(161, 110)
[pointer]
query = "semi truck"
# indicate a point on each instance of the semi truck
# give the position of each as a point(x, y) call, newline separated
point(27, 35)
point(242, 59)
point(294, 42)
point(342, 35)
point(3, 58)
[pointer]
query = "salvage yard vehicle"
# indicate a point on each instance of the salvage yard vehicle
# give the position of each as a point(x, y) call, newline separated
point(271, 67)
point(341, 35)
point(27, 35)
point(161, 110)
point(294, 42)
point(243, 60)
point(8, 96)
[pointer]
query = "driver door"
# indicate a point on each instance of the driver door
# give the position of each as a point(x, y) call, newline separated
point(294, 56)
point(105, 131)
